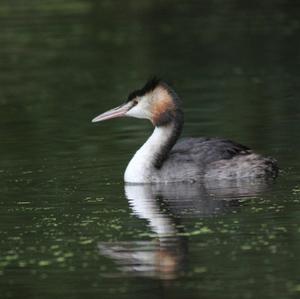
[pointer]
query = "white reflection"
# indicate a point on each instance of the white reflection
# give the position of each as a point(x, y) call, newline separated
point(165, 206)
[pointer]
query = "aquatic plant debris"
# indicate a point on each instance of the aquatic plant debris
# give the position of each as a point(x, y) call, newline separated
point(201, 231)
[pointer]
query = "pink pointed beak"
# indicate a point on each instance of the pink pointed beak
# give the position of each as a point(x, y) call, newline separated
point(113, 113)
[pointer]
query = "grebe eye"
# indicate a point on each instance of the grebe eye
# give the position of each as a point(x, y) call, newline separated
point(135, 102)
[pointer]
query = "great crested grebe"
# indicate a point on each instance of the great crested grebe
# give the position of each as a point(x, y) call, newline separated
point(163, 159)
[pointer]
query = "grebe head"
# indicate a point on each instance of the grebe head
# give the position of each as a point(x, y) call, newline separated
point(156, 101)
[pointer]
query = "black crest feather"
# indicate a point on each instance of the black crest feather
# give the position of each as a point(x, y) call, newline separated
point(149, 86)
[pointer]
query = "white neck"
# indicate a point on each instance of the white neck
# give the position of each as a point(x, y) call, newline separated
point(141, 166)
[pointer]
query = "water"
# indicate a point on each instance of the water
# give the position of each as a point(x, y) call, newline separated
point(70, 228)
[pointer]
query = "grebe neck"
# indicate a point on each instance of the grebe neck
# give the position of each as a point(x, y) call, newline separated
point(151, 156)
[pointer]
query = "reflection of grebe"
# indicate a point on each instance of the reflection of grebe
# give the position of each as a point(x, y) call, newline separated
point(164, 206)
point(161, 257)
point(161, 159)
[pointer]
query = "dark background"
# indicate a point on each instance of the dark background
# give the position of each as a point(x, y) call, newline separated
point(236, 66)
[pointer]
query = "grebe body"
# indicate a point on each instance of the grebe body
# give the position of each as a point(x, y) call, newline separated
point(164, 158)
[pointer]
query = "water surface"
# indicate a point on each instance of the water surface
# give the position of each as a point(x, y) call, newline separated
point(70, 228)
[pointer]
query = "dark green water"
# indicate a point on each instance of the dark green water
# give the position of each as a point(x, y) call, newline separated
point(68, 227)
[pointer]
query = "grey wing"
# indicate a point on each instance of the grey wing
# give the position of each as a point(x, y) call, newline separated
point(204, 151)
point(193, 158)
